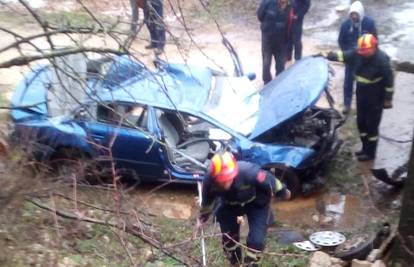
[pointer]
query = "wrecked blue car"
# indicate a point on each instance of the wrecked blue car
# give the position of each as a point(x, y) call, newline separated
point(165, 124)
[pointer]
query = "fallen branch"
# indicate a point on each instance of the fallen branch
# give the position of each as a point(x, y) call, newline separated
point(24, 60)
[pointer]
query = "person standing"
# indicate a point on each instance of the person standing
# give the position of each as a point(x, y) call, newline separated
point(301, 7)
point(244, 189)
point(276, 19)
point(374, 89)
point(351, 29)
point(153, 17)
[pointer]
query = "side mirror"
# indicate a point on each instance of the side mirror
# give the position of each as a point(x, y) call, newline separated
point(251, 76)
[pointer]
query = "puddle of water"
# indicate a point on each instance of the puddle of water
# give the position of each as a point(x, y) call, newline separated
point(334, 211)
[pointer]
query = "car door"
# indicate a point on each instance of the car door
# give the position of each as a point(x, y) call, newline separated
point(120, 134)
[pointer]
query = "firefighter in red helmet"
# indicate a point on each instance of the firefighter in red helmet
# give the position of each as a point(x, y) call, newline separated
point(244, 189)
point(374, 90)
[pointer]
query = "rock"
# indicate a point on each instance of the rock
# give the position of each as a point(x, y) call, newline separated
point(315, 218)
point(320, 259)
point(106, 239)
point(338, 262)
point(67, 262)
point(374, 255)
point(379, 263)
point(396, 204)
point(327, 220)
point(358, 263)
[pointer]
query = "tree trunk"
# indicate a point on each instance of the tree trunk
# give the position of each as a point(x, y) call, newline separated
point(403, 250)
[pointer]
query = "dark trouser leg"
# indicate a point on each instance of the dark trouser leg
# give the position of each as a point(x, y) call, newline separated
point(135, 14)
point(348, 85)
point(362, 118)
point(159, 26)
point(150, 17)
point(258, 221)
point(373, 123)
point(266, 58)
point(231, 232)
point(297, 38)
point(280, 53)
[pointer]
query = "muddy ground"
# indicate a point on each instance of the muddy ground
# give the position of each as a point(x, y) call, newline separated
point(352, 202)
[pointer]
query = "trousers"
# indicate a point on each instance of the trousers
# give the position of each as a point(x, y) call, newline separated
point(370, 103)
point(258, 219)
point(153, 14)
point(273, 47)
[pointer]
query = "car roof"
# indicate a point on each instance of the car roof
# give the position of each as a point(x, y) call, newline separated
point(176, 86)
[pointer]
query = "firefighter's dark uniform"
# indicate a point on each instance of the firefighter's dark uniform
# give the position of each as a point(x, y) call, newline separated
point(375, 84)
point(250, 194)
point(153, 13)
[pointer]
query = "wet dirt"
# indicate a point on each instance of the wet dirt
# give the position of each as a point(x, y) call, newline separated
point(173, 201)
point(393, 20)
point(325, 211)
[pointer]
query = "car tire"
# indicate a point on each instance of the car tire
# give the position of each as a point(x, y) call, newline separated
point(289, 178)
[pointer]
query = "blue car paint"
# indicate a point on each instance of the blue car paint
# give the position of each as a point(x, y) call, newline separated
point(35, 98)
point(188, 90)
point(292, 92)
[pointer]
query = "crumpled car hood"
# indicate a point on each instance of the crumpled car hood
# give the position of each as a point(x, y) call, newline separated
point(292, 92)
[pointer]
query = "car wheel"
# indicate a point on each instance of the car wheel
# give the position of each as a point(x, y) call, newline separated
point(289, 178)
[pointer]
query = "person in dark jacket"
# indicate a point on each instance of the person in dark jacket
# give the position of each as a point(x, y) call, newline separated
point(276, 18)
point(244, 189)
point(374, 90)
point(351, 29)
point(301, 7)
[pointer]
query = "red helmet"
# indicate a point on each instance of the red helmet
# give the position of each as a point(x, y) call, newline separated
point(223, 167)
point(367, 45)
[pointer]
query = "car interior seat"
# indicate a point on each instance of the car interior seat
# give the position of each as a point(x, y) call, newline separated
point(196, 148)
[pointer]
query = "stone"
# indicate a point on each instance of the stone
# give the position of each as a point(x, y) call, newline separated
point(379, 263)
point(338, 262)
point(327, 220)
point(374, 255)
point(320, 259)
point(359, 263)
point(315, 218)
point(396, 204)
point(67, 262)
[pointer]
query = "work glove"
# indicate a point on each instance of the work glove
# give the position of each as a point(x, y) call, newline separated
point(387, 104)
point(202, 219)
point(284, 194)
point(331, 55)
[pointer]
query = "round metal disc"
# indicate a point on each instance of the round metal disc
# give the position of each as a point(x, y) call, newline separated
point(327, 238)
point(307, 245)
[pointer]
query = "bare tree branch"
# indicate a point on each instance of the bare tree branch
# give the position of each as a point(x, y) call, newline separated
point(24, 60)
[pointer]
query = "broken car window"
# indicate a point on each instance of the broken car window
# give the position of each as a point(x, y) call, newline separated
point(130, 116)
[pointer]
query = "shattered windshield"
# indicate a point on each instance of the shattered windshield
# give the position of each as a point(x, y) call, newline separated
point(235, 103)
